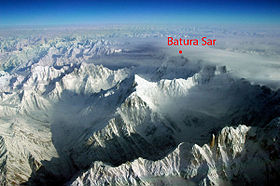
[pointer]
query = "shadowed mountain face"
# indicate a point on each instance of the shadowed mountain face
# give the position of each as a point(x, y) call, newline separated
point(91, 111)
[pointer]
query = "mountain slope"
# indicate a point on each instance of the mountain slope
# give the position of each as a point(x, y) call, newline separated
point(58, 121)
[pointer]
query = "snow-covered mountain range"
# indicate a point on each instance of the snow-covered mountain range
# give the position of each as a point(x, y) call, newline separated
point(237, 156)
point(155, 119)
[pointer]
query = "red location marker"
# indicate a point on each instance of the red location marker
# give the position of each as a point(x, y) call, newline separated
point(180, 51)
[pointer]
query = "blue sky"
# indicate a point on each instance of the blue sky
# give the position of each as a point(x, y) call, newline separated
point(44, 12)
